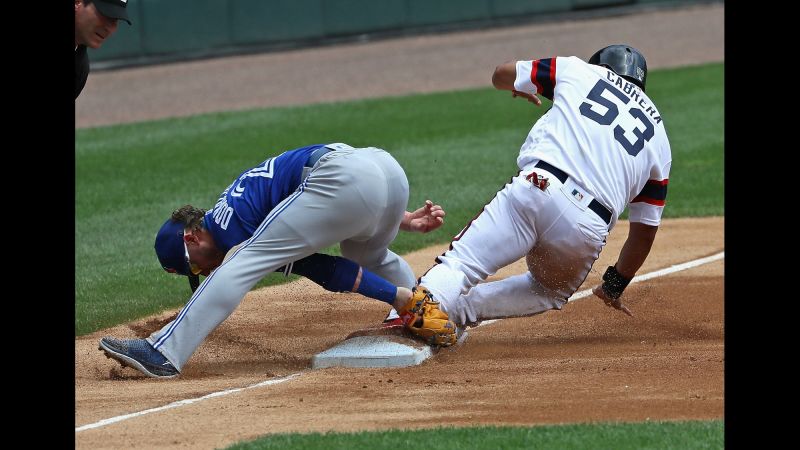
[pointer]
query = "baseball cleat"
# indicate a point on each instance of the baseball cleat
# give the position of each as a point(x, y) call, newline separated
point(390, 323)
point(140, 355)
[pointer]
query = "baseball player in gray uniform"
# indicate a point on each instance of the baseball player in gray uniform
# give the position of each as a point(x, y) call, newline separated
point(601, 148)
point(275, 217)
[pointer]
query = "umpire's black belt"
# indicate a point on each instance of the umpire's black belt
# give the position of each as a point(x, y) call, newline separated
point(594, 205)
point(316, 155)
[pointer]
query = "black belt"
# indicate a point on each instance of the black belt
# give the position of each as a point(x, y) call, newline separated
point(594, 205)
point(316, 155)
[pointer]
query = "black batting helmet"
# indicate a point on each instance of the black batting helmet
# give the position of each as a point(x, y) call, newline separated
point(625, 60)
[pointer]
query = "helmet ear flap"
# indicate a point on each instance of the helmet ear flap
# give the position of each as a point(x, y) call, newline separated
point(625, 60)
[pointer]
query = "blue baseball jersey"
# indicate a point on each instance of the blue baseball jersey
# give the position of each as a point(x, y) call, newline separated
point(244, 204)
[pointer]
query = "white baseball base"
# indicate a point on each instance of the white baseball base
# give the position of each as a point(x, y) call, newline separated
point(373, 351)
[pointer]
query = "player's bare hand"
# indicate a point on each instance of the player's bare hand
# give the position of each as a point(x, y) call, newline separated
point(616, 304)
point(533, 98)
point(425, 219)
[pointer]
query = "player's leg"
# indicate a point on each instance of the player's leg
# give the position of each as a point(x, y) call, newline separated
point(515, 296)
point(322, 212)
point(558, 264)
point(371, 249)
point(502, 233)
point(563, 257)
point(377, 183)
point(384, 187)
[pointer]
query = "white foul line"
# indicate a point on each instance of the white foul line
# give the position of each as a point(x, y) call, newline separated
point(576, 296)
point(105, 422)
point(659, 273)
point(647, 276)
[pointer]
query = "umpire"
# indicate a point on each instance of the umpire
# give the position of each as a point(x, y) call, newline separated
point(95, 21)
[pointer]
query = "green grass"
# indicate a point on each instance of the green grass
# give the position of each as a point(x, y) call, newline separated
point(693, 104)
point(458, 148)
point(616, 436)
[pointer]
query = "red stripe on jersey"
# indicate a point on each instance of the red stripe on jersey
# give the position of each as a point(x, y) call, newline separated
point(539, 87)
point(648, 200)
point(654, 192)
point(544, 76)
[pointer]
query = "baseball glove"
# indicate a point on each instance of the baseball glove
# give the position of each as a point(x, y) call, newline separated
point(423, 318)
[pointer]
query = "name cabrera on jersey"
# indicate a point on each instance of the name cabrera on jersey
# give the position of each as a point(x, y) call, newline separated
point(244, 204)
point(602, 130)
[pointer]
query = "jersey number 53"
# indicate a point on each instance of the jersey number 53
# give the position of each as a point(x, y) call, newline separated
point(612, 111)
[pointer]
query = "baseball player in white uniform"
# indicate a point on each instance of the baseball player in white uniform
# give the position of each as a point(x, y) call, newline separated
point(601, 147)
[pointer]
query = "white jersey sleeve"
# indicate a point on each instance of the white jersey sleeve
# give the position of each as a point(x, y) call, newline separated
point(536, 77)
point(602, 130)
point(648, 205)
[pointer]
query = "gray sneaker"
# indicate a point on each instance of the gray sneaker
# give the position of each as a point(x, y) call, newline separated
point(139, 354)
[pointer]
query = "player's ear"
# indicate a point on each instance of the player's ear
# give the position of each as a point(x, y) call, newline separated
point(190, 237)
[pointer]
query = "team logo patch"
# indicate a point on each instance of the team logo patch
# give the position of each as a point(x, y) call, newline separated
point(538, 180)
point(577, 194)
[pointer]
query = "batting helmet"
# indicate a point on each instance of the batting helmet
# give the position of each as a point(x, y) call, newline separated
point(625, 60)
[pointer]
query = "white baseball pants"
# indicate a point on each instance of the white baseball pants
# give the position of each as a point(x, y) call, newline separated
point(554, 229)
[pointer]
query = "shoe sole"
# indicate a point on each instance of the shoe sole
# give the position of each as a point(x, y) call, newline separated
point(127, 361)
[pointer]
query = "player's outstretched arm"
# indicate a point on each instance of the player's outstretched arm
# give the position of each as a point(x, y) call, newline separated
point(423, 220)
point(636, 248)
point(634, 252)
point(503, 78)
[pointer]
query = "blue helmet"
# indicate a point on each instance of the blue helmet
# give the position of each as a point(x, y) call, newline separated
point(625, 60)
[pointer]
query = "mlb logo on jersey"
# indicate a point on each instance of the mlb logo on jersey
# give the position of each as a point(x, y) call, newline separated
point(576, 194)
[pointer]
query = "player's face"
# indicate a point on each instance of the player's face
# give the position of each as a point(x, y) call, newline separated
point(203, 259)
point(91, 27)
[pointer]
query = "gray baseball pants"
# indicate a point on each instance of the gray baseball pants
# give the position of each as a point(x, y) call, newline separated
point(355, 197)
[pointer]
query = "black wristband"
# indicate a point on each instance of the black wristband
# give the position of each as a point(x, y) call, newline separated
point(614, 283)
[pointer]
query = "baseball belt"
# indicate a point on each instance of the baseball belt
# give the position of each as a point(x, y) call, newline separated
point(316, 155)
point(594, 205)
